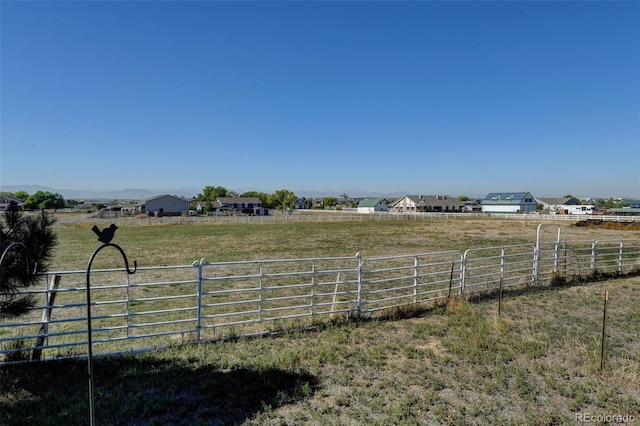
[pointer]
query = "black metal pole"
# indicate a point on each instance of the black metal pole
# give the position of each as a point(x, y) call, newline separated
point(92, 417)
point(451, 279)
point(500, 296)
point(603, 349)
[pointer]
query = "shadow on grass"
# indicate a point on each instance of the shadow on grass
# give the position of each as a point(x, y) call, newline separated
point(144, 391)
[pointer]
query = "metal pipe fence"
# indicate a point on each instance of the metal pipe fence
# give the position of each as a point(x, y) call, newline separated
point(161, 306)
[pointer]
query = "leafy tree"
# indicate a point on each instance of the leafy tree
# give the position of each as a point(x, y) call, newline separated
point(308, 202)
point(262, 196)
point(282, 199)
point(211, 193)
point(23, 195)
point(609, 203)
point(16, 274)
point(71, 203)
point(329, 201)
point(43, 200)
point(464, 198)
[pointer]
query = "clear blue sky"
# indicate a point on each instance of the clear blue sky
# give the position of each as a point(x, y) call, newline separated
point(460, 98)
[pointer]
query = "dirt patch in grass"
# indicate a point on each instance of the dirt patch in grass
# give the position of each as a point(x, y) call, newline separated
point(601, 224)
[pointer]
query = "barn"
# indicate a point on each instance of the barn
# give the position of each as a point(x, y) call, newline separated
point(165, 205)
point(509, 202)
point(371, 205)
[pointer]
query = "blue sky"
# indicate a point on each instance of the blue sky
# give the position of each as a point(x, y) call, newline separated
point(460, 98)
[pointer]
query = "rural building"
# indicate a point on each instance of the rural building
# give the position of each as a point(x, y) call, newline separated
point(234, 205)
point(557, 205)
point(427, 203)
point(301, 203)
point(83, 206)
point(242, 205)
point(165, 205)
point(8, 202)
point(625, 211)
point(371, 205)
point(509, 202)
point(628, 203)
point(471, 207)
point(201, 207)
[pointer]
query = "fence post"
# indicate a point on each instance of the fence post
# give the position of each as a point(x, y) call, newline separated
point(501, 262)
point(43, 333)
point(415, 279)
point(260, 294)
point(451, 279)
point(359, 297)
point(594, 253)
point(620, 257)
point(463, 272)
point(202, 262)
point(313, 289)
point(500, 296)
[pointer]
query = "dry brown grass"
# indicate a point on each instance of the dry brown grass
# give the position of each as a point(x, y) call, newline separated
point(158, 245)
point(459, 363)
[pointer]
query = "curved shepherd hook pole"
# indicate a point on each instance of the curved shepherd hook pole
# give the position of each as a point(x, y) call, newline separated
point(25, 253)
point(105, 236)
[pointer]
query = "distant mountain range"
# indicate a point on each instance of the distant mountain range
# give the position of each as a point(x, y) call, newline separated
point(186, 192)
point(89, 194)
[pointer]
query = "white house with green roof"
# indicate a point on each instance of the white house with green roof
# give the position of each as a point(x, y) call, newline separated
point(371, 205)
point(509, 202)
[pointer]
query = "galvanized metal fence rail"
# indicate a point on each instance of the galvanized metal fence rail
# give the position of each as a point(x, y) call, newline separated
point(160, 306)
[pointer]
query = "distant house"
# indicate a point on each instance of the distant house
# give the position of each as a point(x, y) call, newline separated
point(509, 202)
point(201, 207)
point(301, 204)
point(371, 205)
point(8, 202)
point(165, 205)
point(239, 205)
point(557, 205)
point(427, 203)
point(628, 203)
point(83, 206)
point(472, 207)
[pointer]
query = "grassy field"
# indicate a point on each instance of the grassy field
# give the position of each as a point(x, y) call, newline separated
point(537, 363)
point(182, 244)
